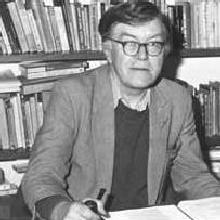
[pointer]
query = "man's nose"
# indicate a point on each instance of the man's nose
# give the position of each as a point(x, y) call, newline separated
point(142, 53)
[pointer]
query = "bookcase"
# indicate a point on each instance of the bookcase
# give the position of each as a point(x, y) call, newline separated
point(66, 31)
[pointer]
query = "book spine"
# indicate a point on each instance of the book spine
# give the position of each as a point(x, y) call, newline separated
point(13, 10)
point(75, 26)
point(43, 25)
point(11, 125)
point(16, 104)
point(62, 29)
point(28, 30)
point(66, 22)
point(70, 20)
point(27, 112)
point(80, 25)
point(4, 126)
point(35, 31)
point(5, 37)
point(10, 28)
point(52, 16)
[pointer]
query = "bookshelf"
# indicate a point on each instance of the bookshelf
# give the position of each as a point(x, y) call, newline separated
point(77, 55)
point(97, 55)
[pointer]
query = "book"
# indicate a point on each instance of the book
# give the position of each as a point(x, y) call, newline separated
point(10, 28)
point(57, 72)
point(13, 142)
point(15, 16)
point(74, 23)
point(179, 14)
point(52, 17)
point(20, 167)
point(43, 25)
point(4, 136)
point(5, 37)
point(24, 18)
point(33, 114)
point(49, 24)
point(33, 86)
point(66, 18)
point(79, 19)
point(32, 70)
point(35, 66)
point(35, 31)
point(62, 29)
point(28, 127)
point(200, 209)
point(18, 119)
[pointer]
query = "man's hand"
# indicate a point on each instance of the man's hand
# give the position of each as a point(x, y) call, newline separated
point(80, 211)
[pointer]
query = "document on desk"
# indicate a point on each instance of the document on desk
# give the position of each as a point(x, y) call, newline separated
point(202, 209)
point(168, 212)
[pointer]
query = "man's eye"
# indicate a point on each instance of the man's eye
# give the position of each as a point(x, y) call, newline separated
point(155, 44)
point(131, 44)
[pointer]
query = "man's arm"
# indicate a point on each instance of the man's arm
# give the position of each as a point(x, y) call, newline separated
point(190, 174)
point(52, 150)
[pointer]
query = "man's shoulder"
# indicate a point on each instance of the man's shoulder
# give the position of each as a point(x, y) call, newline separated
point(175, 87)
point(174, 90)
point(86, 80)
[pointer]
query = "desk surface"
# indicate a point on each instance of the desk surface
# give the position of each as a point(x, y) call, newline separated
point(12, 207)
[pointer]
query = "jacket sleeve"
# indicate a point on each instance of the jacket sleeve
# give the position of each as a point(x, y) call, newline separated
point(52, 150)
point(190, 175)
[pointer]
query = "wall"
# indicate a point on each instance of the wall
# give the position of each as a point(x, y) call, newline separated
point(199, 70)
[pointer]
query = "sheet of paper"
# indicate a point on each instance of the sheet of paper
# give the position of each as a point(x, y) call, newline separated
point(202, 209)
point(168, 212)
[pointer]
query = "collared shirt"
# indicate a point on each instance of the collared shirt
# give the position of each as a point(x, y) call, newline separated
point(138, 104)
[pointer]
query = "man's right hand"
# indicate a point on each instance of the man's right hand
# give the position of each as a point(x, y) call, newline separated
point(80, 211)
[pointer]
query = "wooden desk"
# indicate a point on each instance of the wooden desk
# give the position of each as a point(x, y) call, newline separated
point(12, 207)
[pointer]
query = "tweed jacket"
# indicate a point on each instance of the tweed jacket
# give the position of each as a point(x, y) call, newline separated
point(73, 151)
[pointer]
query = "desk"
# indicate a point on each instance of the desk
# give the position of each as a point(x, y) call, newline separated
point(12, 207)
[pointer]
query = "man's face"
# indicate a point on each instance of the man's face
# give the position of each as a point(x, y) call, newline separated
point(136, 73)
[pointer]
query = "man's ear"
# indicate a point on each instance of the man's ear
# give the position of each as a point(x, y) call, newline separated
point(167, 48)
point(107, 49)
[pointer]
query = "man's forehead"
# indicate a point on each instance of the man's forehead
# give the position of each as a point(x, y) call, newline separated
point(150, 28)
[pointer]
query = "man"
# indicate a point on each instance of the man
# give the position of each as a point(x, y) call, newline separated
point(120, 127)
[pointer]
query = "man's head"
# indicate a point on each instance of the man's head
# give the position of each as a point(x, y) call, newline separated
point(135, 41)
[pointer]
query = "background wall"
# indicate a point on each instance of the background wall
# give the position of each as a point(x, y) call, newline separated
point(199, 70)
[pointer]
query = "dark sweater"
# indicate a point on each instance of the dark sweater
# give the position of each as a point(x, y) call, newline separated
point(129, 189)
point(129, 184)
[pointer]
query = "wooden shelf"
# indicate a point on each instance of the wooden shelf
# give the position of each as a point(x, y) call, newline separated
point(78, 55)
point(16, 154)
point(96, 55)
point(200, 52)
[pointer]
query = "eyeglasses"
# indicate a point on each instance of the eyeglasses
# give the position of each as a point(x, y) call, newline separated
point(131, 48)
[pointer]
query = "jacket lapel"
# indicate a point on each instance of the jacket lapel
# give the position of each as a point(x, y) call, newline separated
point(159, 121)
point(103, 129)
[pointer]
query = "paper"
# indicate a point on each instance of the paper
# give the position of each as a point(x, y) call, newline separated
point(202, 209)
point(168, 212)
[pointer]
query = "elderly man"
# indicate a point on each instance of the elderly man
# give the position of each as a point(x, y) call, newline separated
point(121, 127)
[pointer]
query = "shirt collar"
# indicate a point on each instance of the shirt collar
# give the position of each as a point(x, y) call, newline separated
point(138, 104)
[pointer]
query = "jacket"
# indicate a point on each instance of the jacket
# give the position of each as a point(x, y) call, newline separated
point(73, 151)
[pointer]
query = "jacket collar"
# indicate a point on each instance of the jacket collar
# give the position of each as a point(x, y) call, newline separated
point(160, 115)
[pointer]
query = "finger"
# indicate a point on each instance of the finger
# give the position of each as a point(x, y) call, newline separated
point(79, 211)
point(100, 208)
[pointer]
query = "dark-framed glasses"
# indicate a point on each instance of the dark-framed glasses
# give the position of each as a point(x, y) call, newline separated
point(131, 48)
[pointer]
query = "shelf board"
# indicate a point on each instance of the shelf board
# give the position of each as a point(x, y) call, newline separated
point(96, 55)
point(200, 52)
point(77, 55)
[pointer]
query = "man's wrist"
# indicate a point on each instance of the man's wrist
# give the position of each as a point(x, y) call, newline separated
point(60, 210)
point(53, 207)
